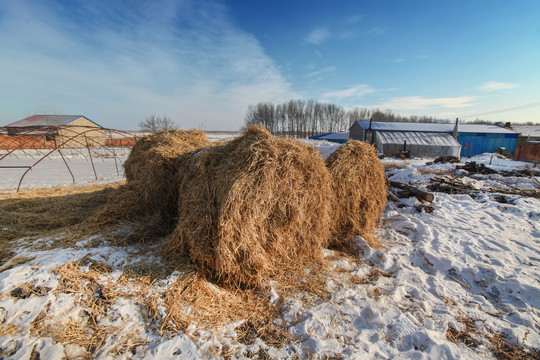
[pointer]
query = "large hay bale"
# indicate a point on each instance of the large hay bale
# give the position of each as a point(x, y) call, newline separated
point(359, 188)
point(152, 167)
point(252, 205)
point(150, 195)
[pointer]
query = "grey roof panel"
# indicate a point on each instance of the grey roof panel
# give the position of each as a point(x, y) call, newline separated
point(483, 128)
point(407, 126)
point(418, 138)
point(527, 130)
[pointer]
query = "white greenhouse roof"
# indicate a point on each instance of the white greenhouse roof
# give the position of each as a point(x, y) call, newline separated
point(418, 138)
point(406, 126)
point(482, 128)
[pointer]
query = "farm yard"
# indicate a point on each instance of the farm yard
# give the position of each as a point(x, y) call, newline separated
point(453, 278)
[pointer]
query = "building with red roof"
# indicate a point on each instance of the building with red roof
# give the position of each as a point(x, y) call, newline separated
point(59, 130)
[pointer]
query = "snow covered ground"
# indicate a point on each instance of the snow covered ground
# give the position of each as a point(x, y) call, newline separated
point(448, 284)
point(52, 171)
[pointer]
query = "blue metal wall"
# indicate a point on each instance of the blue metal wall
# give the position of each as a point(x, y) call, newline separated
point(479, 143)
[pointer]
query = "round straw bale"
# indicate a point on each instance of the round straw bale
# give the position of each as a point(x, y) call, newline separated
point(252, 205)
point(152, 167)
point(359, 188)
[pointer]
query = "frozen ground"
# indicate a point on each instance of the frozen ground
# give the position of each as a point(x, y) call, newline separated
point(467, 272)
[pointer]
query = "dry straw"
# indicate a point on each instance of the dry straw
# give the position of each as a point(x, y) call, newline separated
point(152, 164)
point(250, 205)
point(95, 291)
point(42, 213)
point(359, 189)
point(151, 172)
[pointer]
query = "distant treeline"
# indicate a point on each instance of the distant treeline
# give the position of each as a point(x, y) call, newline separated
point(307, 118)
point(301, 118)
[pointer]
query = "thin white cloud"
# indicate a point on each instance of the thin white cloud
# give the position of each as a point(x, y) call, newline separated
point(377, 30)
point(327, 70)
point(400, 59)
point(407, 103)
point(346, 34)
point(117, 68)
point(496, 86)
point(318, 75)
point(354, 19)
point(318, 36)
point(354, 91)
point(321, 35)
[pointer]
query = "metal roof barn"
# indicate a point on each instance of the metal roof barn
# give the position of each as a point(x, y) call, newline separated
point(419, 144)
point(474, 138)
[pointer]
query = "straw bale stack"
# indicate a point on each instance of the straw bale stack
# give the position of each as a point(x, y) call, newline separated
point(250, 206)
point(359, 188)
point(151, 192)
point(153, 164)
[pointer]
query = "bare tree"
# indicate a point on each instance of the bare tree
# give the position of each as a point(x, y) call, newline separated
point(156, 123)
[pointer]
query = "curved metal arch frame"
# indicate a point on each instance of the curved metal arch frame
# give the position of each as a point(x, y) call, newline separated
point(77, 136)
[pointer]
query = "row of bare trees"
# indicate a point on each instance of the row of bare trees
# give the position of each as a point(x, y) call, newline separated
point(301, 118)
point(298, 117)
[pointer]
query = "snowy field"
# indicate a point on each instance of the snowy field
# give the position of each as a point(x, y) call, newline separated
point(78, 168)
point(52, 171)
point(460, 282)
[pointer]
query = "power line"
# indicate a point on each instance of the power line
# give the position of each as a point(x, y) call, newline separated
point(507, 109)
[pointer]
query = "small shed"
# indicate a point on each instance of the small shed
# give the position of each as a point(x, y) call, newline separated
point(418, 144)
point(337, 137)
point(528, 143)
point(58, 130)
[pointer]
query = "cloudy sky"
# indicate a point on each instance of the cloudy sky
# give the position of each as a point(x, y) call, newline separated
point(201, 63)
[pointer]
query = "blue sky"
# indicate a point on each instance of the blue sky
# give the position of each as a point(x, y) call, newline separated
point(203, 62)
